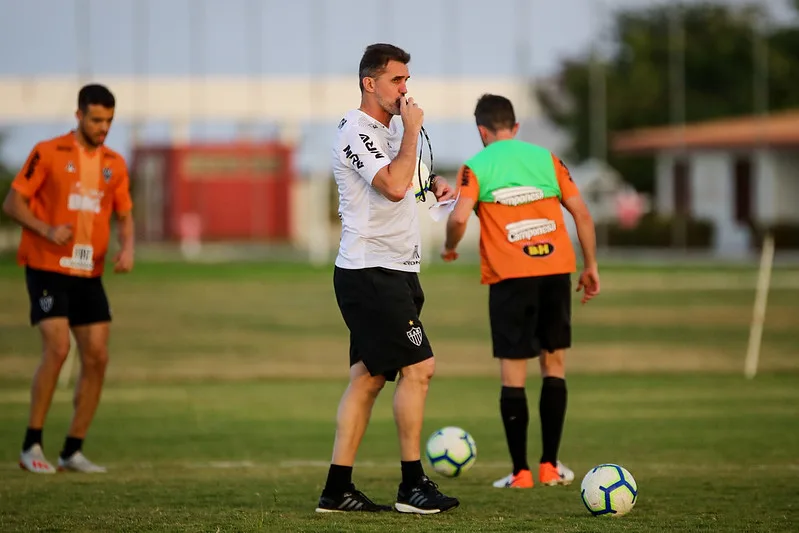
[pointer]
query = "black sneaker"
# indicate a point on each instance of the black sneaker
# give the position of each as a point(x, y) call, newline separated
point(349, 501)
point(424, 498)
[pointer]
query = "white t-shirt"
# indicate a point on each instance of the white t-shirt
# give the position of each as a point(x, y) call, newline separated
point(375, 232)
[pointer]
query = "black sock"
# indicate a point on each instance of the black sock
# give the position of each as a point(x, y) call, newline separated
point(339, 480)
point(552, 409)
point(32, 436)
point(515, 417)
point(412, 472)
point(71, 445)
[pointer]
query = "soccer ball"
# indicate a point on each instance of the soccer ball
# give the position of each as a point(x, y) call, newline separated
point(451, 451)
point(425, 173)
point(609, 490)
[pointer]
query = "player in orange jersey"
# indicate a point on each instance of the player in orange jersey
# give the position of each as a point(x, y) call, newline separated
point(526, 257)
point(63, 198)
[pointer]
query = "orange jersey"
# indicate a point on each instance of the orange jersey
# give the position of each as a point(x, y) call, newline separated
point(522, 229)
point(68, 185)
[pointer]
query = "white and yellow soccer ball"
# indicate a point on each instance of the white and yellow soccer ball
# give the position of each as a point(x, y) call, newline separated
point(425, 173)
point(451, 451)
point(609, 490)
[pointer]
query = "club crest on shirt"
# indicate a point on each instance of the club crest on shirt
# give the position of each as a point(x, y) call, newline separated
point(107, 174)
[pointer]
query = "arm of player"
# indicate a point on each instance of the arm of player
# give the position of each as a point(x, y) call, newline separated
point(16, 204)
point(586, 233)
point(394, 180)
point(441, 189)
point(362, 154)
point(468, 192)
point(123, 262)
point(123, 207)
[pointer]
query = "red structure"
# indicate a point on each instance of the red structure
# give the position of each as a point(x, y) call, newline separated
point(237, 191)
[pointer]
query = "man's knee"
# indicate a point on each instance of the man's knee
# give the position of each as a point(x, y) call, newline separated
point(362, 381)
point(95, 357)
point(553, 364)
point(421, 372)
point(55, 340)
point(56, 352)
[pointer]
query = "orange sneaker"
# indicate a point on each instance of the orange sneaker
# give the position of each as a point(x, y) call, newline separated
point(554, 475)
point(522, 480)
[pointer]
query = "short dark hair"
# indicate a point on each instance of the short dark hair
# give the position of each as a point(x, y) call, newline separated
point(376, 57)
point(95, 94)
point(494, 112)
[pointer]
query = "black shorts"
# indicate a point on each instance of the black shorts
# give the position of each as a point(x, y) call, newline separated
point(529, 315)
point(381, 308)
point(81, 300)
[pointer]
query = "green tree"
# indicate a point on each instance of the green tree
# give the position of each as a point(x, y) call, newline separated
point(6, 176)
point(718, 54)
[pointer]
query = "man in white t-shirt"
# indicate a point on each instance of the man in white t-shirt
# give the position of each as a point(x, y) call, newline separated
point(376, 281)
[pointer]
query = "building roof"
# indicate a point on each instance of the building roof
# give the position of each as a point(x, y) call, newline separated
point(776, 129)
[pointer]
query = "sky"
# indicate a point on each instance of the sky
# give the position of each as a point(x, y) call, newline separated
point(291, 37)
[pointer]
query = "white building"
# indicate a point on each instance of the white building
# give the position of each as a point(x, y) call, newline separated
point(735, 172)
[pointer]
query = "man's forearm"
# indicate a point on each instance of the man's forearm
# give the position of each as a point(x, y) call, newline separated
point(586, 233)
point(17, 210)
point(402, 167)
point(455, 231)
point(126, 232)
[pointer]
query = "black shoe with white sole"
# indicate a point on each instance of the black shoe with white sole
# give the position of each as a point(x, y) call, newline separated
point(424, 498)
point(349, 501)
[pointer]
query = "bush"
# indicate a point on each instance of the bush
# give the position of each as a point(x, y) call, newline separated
point(5, 186)
point(658, 231)
point(786, 235)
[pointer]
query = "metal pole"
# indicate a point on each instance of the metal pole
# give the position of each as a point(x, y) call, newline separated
point(316, 183)
point(83, 23)
point(677, 113)
point(597, 88)
point(145, 184)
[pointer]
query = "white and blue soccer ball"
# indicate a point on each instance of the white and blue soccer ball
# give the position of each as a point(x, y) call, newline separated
point(609, 490)
point(451, 451)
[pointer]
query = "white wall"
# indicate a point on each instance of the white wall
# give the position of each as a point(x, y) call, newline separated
point(711, 191)
point(764, 176)
point(713, 198)
point(711, 186)
point(664, 184)
point(287, 99)
point(786, 172)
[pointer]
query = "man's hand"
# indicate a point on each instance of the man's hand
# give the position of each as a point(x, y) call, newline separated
point(412, 115)
point(123, 262)
point(448, 255)
point(441, 189)
point(589, 283)
point(59, 235)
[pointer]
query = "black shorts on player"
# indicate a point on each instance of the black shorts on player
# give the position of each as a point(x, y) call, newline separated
point(52, 294)
point(530, 314)
point(381, 308)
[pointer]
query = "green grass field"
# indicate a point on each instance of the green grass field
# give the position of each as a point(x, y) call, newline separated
point(218, 413)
